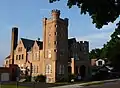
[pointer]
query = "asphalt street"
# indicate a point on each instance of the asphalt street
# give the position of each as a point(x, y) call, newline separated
point(105, 85)
point(110, 84)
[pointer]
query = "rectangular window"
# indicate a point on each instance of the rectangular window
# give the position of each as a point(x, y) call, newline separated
point(55, 50)
point(48, 43)
point(55, 42)
point(37, 55)
point(99, 63)
point(16, 57)
point(19, 49)
point(48, 69)
point(37, 69)
point(6, 62)
point(55, 33)
point(60, 69)
point(34, 56)
point(19, 57)
point(56, 25)
point(22, 56)
point(34, 69)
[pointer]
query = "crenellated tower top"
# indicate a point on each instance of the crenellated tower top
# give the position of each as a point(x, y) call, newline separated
point(55, 13)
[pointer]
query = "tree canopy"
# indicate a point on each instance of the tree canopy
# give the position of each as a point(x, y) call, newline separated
point(110, 50)
point(102, 12)
point(95, 53)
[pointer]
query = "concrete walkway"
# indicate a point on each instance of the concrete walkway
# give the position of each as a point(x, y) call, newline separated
point(85, 84)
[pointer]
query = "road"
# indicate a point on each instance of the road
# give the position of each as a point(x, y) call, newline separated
point(115, 84)
point(106, 85)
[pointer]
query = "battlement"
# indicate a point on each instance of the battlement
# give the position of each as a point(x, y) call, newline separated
point(55, 13)
point(84, 43)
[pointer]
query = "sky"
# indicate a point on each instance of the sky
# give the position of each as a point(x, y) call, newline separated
point(27, 15)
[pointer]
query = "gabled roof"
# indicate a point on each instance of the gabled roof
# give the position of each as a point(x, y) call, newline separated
point(40, 44)
point(7, 57)
point(28, 44)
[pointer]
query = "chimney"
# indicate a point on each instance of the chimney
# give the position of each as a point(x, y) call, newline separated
point(14, 41)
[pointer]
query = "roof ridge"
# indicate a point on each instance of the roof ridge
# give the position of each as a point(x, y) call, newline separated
point(27, 39)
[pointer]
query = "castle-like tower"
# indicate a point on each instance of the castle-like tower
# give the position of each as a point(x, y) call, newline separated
point(55, 57)
point(55, 46)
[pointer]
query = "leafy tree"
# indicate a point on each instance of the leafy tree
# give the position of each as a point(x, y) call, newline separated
point(101, 11)
point(110, 50)
point(95, 53)
point(113, 49)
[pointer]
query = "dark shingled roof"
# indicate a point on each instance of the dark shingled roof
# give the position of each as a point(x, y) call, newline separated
point(40, 44)
point(27, 43)
point(7, 57)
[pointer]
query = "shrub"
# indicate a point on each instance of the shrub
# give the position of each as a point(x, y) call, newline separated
point(70, 77)
point(40, 78)
point(28, 78)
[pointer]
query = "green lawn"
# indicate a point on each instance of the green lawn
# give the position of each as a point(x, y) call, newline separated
point(11, 86)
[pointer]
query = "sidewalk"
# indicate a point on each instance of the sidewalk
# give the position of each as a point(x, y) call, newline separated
point(85, 84)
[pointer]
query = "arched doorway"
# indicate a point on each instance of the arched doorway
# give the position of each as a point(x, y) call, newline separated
point(82, 71)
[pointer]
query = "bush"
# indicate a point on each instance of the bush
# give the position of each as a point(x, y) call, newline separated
point(40, 78)
point(28, 78)
point(101, 75)
point(70, 77)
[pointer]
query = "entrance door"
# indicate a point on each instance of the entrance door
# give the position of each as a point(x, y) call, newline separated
point(82, 71)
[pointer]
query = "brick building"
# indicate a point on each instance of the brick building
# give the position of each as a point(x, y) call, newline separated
point(55, 56)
